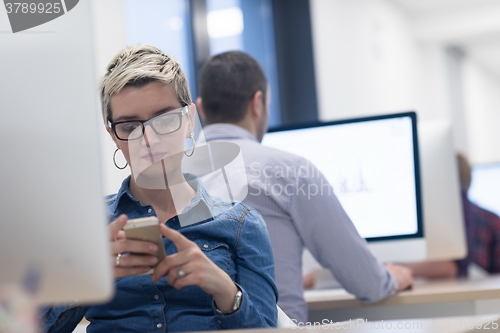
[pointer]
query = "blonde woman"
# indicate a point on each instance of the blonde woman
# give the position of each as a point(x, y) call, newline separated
point(219, 271)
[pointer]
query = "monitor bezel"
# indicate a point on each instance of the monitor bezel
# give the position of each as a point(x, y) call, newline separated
point(416, 160)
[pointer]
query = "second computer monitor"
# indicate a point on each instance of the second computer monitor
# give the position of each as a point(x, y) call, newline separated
point(442, 206)
point(485, 187)
point(373, 165)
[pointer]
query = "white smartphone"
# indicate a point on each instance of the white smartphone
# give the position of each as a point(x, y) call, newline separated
point(146, 229)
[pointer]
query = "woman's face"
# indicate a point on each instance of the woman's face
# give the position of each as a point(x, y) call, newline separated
point(152, 152)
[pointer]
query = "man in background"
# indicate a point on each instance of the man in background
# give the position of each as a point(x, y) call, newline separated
point(484, 245)
point(295, 199)
point(482, 230)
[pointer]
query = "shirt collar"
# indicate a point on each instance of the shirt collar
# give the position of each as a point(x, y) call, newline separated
point(123, 194)
point(223, 131)
point(201, 195)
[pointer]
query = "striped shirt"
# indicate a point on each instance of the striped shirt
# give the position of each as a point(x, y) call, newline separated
point(301, 210)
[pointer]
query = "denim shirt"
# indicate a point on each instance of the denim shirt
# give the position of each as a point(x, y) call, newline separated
point(235, 239)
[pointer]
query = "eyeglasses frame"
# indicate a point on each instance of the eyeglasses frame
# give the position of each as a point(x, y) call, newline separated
point(181, 113)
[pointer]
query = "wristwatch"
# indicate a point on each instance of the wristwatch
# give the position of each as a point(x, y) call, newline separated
point(236, 304)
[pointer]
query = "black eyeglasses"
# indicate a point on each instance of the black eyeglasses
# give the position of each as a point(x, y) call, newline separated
point(166, 123)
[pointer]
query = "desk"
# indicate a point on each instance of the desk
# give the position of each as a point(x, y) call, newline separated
point(445, 325)
point(428, 299)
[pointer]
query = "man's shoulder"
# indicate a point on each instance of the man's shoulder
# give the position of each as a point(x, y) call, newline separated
point(483, 214)
point(276, 156)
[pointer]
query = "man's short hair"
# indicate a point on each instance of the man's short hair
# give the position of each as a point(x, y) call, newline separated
point(464, 171)
point(228, 82)
point(137, 66)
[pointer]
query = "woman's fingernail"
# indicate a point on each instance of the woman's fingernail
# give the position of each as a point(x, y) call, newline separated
point(153, 248)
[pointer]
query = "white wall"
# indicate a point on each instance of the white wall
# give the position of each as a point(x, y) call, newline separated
point(109, 37)
point(373, 57)
point(482, 106)
point(433, 100)
point(366, 62)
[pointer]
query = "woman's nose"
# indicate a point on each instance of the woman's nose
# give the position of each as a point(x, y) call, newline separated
point(150, 137)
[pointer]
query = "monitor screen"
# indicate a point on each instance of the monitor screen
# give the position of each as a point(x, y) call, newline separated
point(485, 187)
point(372, 164)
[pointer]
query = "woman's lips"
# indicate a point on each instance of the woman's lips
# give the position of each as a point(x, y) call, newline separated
point(154, 157)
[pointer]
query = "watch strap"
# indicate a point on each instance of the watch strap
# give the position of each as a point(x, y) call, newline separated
point(237, 302)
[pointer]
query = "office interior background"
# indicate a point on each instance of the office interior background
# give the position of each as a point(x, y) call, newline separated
point(330, 59)
point(333, 59)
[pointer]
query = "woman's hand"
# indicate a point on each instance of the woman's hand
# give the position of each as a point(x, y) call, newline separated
point(141, 253)
point(196, 269)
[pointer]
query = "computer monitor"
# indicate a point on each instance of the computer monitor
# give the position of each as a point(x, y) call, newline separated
point(52, 210)
point(373, 165)
point(485, 187)
point(442, 205)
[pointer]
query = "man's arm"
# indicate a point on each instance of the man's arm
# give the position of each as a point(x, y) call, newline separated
point(333, 240)
point(434, 269)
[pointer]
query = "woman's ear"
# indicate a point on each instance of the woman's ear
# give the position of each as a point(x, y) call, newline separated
point(112, 135)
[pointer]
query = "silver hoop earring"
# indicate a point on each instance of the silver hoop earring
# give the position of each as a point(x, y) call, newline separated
point(114, 161)
point(192, 149)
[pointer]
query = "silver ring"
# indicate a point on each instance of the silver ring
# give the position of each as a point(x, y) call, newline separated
point(181, 273)
point(118, 257)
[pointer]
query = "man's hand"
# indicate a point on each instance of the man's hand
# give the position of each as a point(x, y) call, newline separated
point(403, 275)
point(309, 280)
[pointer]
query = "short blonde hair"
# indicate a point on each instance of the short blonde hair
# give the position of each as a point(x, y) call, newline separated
point(137, 66)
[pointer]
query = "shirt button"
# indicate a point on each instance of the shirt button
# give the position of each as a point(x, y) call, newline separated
point(159, 325)
point(205, 246)
point(157, 297)
point(150, 210)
